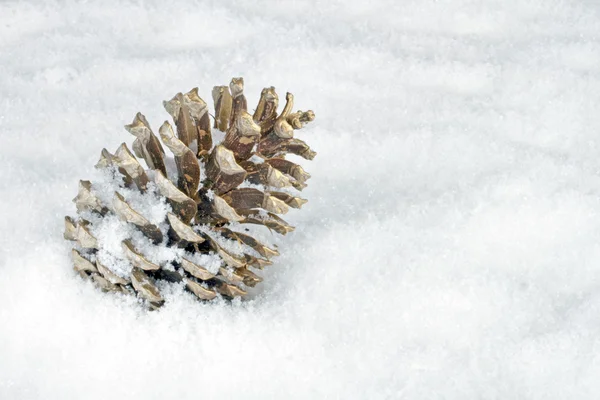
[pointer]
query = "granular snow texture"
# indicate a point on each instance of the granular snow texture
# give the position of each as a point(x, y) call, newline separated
point(450, 248)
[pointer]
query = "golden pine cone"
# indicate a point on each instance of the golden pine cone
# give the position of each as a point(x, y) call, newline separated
point(179, 220)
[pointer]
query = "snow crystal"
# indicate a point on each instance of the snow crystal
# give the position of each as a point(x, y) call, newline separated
point(217, 137)
point(110, 232)
point(212, 261)
point(256, 159)
point(251, 185)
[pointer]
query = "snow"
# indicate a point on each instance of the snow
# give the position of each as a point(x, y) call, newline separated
point(451, 244)
point(110, 230)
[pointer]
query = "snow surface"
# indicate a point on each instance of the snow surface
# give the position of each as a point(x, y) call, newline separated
point(450, 248)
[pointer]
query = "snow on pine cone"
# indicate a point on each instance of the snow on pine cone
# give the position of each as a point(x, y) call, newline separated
point(183, 219)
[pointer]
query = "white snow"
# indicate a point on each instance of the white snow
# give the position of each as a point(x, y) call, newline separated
point(450, 248)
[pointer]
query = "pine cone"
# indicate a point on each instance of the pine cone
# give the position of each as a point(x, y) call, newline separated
point(179, 221)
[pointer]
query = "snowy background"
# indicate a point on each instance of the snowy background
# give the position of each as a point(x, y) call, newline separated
point(450, 248)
